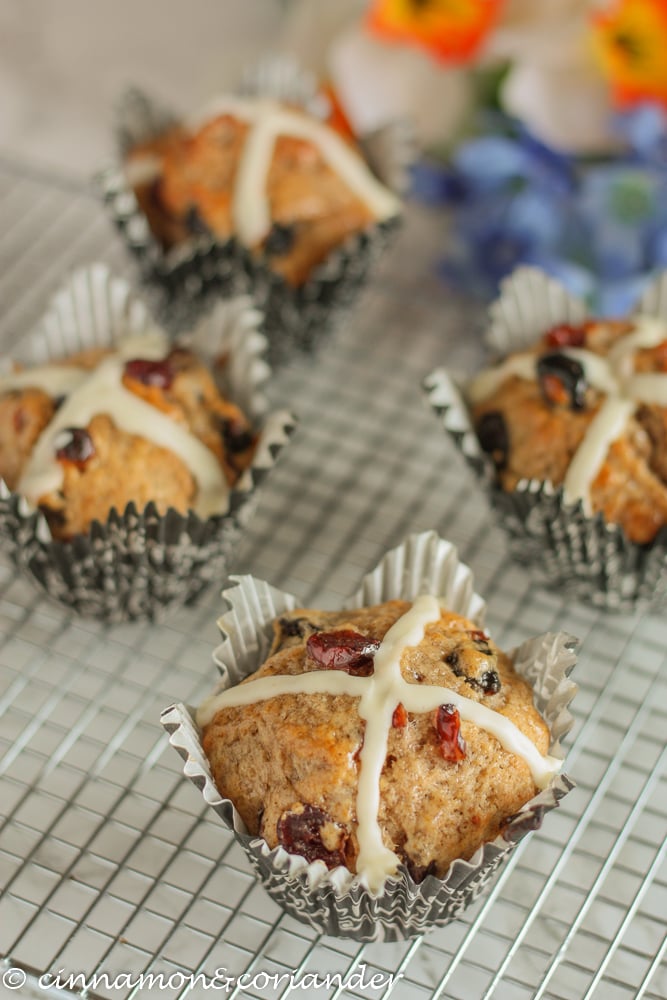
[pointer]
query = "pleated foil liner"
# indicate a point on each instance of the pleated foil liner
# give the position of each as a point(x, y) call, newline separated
point(337, 902)
point(585, 558)
point(296, 319)
point(140, 564)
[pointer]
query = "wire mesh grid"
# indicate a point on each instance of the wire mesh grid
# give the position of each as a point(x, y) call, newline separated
point(109, 865)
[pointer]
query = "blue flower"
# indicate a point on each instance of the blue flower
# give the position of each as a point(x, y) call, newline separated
point(437, 183)
point(645, 129)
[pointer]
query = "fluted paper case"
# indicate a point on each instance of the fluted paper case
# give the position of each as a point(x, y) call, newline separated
point(337, 902)
point(138, 564)
point(296, 318)
point(584, 557)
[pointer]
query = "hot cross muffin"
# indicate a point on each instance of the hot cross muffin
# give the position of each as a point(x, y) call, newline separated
point(585, 408)
point(288, 187)
point(143, 423)
point(388, 735)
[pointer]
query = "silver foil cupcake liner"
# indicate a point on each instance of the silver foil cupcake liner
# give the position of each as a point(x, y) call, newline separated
point(337, 902)
point(584, 557)
point(189, 275)
point(139, 564)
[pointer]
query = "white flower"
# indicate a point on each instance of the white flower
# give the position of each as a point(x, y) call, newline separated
point(554, 84)
point(376, 81)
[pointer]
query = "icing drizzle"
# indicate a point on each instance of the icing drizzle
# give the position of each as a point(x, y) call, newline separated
point(379, 694)
point(268, 120)
point(613, 375)
point(101, 391)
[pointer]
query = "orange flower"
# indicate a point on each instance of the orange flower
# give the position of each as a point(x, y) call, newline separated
point(631, 41)
point(453, 30)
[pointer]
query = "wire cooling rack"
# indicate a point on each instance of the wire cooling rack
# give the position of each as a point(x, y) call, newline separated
point(108, 862)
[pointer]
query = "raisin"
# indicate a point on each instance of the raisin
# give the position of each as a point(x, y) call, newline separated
point(157, 373)
point(490, 682)
point(447, 722)
point(292, 627)
point(280, 239)
point(75, 445)
point(494, 438)
point(304, 829)
point(343, 650)
point(566, 335)
point(236, 436)
point(194, 222)
point(562, 381)
point(399, 719)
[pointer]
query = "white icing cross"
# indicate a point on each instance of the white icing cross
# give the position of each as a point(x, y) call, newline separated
point(379, 695)
point(101, 391)
point(268, 120)
point(613, 375)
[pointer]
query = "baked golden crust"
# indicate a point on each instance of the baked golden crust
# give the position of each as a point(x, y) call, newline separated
point(296, 757)
point(543, 429)
point(124, 467)
point(311, 207)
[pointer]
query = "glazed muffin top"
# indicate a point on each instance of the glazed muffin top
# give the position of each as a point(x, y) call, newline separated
point(391, 734)
point(585, 408)
point(142, 422)
point(286, 186)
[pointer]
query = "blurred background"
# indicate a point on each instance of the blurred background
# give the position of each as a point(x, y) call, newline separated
point(63, 65)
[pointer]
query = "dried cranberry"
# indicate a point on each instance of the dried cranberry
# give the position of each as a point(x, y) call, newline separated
point(447, 722)
point(300, 832)
point(566, 335)
point(494, 437)
point(75, 445)
point(157, 373)
point(562, 380)
point(343, 650)
point(19, 420)
point(399, 719)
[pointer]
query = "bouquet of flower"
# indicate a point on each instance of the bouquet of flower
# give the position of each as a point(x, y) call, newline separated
point(545, 125)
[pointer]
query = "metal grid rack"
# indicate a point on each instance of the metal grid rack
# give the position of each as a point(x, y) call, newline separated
point(109, 863)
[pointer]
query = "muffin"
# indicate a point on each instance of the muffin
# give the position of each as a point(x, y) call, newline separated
point(257, 194)
point(129, 463)
point(409, 692)
point(285, 186)
point(567, 434)
point(585, 408)
point(100, 429)
point(376, 800)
